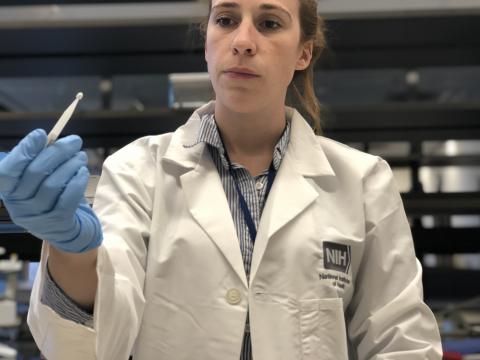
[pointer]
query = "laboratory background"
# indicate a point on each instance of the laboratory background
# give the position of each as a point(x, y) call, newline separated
point(399, 79)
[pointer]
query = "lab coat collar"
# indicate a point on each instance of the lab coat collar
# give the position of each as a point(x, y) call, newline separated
point(177, 152)
point(304, 147)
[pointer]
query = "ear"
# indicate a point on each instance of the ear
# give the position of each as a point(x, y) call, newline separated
point(305, 56)
point(206, 52)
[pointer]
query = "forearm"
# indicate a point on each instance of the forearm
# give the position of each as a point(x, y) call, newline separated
point(75, 274)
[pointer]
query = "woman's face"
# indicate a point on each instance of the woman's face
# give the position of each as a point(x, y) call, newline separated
point(257, 36)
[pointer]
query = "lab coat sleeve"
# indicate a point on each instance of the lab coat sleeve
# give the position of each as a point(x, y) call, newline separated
point(56, 337)
point(387, 318)
point(123, 203)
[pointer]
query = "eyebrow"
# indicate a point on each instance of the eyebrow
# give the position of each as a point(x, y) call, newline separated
point(233, 5)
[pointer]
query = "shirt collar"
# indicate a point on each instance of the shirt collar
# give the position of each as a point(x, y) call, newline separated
point(208, 133)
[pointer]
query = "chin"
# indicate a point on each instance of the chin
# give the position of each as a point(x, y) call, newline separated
point(243, 103)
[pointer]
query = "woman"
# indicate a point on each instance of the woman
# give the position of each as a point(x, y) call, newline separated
point(240, 235)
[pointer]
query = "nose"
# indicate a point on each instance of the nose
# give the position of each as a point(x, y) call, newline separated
point(244, 40)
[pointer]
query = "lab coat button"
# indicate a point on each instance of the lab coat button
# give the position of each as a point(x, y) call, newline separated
point(233, 297)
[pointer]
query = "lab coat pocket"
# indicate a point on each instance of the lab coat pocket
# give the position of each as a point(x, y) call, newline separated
point(322, 329)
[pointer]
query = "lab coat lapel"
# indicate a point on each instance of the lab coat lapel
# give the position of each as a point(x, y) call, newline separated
point(208, 204)
point(291, 192)
point(204, 193)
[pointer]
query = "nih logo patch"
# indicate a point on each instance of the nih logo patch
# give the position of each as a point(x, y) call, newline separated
point(336, 256)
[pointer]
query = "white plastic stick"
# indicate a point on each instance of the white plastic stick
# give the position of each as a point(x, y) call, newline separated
point(67, 114)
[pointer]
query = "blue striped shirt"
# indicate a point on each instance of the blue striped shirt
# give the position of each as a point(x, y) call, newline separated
point(253, 189)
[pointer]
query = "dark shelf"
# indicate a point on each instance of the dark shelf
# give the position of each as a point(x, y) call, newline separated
point(409, 121)
point(26, 245)
point(447, 283)
point(458, 160)
point(446, 240)
point(442, 203)
point(386, 122)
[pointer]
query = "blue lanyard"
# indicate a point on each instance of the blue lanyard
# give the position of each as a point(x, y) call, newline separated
point(247, 215)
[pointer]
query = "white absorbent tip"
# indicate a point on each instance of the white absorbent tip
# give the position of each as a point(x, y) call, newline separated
point(79, 96)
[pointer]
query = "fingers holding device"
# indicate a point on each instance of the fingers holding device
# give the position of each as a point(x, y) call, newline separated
point(43, 188)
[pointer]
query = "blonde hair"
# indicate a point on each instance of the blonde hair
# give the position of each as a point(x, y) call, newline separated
point(301, 91)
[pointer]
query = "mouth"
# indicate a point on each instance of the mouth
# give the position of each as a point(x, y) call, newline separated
point(240, 75)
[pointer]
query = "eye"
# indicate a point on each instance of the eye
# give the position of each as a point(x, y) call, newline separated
point(224, 21)
point(271, 24)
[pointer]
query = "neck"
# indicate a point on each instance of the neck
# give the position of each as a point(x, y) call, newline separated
point(249, 139)
point(252, 134)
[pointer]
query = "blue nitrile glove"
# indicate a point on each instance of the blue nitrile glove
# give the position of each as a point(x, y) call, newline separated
point(43, 191)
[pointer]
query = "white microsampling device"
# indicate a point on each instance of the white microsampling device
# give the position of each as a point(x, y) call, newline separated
point(67, 114)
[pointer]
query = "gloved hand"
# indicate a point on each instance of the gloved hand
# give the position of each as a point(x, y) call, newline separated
point(43, 191)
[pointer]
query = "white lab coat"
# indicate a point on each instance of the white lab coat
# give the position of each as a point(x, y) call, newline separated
point(175, 301)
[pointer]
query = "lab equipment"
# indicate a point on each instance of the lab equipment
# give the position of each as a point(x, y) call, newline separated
point(9, 320)
point(7, 352)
